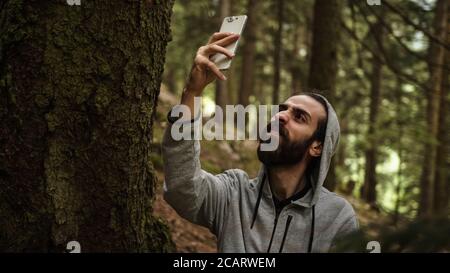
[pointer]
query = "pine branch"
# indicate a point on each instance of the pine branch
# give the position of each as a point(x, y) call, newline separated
point(399, 40)
point(416, 26)
point(383, 59)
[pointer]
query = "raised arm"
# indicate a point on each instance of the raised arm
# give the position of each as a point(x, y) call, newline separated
point(195, 194)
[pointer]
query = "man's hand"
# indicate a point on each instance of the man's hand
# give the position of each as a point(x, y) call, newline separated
point(204, 71)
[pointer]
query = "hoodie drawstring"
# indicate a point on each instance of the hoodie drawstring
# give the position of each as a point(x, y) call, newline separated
point(311, 235)
point(288, 222)
point(255, 213)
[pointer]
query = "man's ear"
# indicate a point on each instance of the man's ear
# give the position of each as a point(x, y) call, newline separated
point(315, 149)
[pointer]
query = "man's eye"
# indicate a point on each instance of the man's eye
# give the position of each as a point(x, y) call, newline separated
point(299, 116)
point(282, 107)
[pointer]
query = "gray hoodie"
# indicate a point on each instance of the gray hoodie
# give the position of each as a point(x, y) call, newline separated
point(240, 211)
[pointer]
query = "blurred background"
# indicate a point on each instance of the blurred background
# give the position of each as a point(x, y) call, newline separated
point(384, 67)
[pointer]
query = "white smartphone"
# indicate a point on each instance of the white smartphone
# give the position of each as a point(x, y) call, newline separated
point(233, 24)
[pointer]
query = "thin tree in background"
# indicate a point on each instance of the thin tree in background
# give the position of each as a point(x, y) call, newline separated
point(369, 193)
point(297, 75)
point(324, 56)
point(277, 52)
point(221, 96)
point(249, 50)
point(301, 30)
point(78, 90)
point(400, 133)
point(324, 51)
point(442, 183)
point(434, 96)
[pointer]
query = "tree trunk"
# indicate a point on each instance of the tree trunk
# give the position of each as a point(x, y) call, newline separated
point(441, 178)
point(277, 52)
point(79, 86)
point(221, 86)
point(324, 57)
point(370, 177)
point(400, 128)
point(248, 56)
point(295, 68)
point(436, 61)
point(441, 187)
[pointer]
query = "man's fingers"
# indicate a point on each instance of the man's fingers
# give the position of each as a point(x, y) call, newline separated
point(212, 66)
point(218, 35)
point(216, 45)
point(227, 40)
point(212, 49)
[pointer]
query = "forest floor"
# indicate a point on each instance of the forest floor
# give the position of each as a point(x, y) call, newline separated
point(238, 154)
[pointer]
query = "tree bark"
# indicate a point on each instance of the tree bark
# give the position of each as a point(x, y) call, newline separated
point(324, 57)
point(248, 56)
point(277, 52)
point(79, 86)
point(436, 61)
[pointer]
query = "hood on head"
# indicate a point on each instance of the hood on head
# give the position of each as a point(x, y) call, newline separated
point(333, 131)
point(320, 171)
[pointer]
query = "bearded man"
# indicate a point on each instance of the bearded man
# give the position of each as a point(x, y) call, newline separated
point(285, 208)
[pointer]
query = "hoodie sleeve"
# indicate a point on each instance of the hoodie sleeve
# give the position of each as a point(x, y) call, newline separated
point(195, 194)
point(349, 224)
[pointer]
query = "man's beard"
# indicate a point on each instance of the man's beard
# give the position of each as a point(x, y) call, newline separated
point(287, 153)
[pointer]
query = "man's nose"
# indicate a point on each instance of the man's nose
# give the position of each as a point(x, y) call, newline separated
point(283, 116)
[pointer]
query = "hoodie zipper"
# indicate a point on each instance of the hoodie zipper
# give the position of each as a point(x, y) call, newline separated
point(288, 222)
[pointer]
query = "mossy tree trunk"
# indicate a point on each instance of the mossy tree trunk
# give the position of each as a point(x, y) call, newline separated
point(79, 86)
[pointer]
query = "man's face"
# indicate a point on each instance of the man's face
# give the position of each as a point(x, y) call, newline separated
point(298, 119)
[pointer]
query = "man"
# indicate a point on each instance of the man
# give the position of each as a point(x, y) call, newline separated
point(285, 208)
